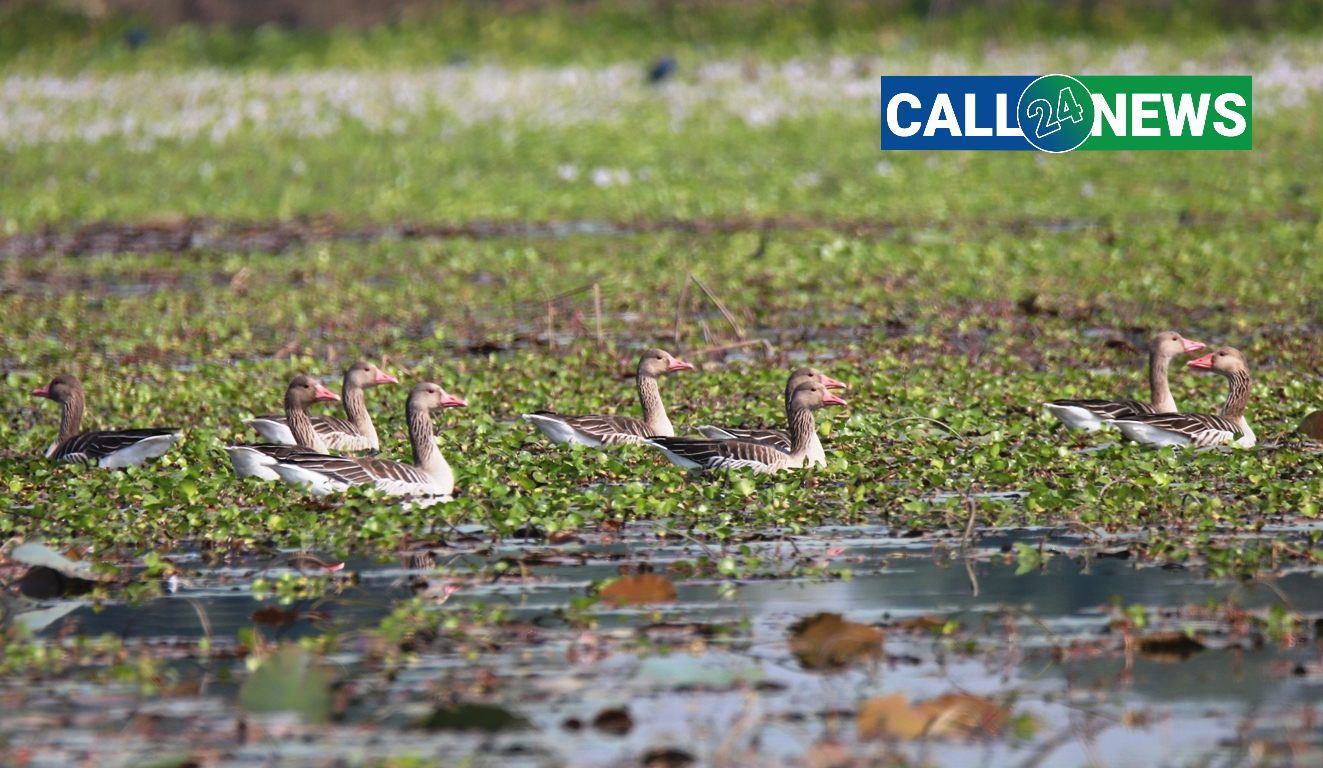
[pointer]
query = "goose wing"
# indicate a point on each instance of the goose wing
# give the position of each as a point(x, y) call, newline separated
point(1107, 409)
point(720, 454)
point(770, 437)
point(90, 446)
point(1203, 429)
point(609, 430)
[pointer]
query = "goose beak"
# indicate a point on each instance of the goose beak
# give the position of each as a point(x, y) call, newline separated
point(450, 401)
point(322, 394)
point(1192, 346)
point(1205, 362)
point(679, 365)
point(830, 399)
point(381, 377)
point(42, 391)
point(831, 383)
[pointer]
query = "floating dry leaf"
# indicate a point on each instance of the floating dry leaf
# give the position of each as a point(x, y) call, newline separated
point(637, 590)
point(826, 641)
point(614, 721)
point(952, 716)
point(275, 617)
point(667, 758)
point(922, 624)
point(1168, 647)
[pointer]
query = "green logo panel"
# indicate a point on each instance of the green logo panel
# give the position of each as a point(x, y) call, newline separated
point(1166, 112)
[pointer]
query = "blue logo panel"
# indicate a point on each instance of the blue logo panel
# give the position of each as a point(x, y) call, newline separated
point(937, 112)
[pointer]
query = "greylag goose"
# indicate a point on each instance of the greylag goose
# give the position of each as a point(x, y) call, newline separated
point(615, 430)
point(429, 475)
point(257, 460)
point(1201, 430)
point(112, 449)
point(777, 438)
point(706, 453)
point(1091, 415)
point(357, 433)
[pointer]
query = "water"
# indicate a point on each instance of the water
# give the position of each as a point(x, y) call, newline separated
point(712, 674)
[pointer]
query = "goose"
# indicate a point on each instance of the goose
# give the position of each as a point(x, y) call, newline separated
point(777, 438)
point(429, 475)
point(112, 449)
point(617, 430)
point(1091, 415)
point(1201, 430)
point(355, 434)
point(706, 453)
point(256, 460)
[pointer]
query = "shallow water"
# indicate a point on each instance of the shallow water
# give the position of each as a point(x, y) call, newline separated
point(1047, 642)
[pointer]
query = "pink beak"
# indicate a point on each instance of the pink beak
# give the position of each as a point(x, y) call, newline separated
point(322, 394)
point(42, 391)
point(679, 365)
point(1192, 346)
point(830, 399)
point(381, 377)
point(831, 383)
point(1205, 362)
point(450, 401)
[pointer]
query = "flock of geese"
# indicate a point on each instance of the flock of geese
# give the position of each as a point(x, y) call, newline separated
point(299, 444)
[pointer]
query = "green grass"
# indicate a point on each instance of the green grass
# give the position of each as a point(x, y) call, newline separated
point(45, 36)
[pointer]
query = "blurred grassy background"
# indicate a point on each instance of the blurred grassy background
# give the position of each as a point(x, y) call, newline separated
point(114, 34)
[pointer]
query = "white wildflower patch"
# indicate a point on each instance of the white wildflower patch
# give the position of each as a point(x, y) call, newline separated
point(210, 105)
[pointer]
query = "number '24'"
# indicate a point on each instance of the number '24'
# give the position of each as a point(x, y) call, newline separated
point(1068, 108)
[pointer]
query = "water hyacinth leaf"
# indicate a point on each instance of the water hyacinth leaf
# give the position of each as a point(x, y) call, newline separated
point(289, 680)
point(639, 590)
point(827, 641)
point(487, 718)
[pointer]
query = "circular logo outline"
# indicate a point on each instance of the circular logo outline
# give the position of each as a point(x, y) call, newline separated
point(1030, 136)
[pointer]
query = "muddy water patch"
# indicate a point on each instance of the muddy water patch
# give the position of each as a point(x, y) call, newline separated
point(1077, 656)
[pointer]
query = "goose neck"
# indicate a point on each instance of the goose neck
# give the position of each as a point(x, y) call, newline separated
point(300, 425)
point(355, 402)
point(1238, 395)
point(654, 411)
point(803, 430)
point(1159, 391)
point(72, 409)
point(426, 456)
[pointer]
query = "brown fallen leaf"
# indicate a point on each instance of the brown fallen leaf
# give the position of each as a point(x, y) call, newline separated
point(956, 715)
point(1168, 647)
point(638, 590)
point(960, 714)
point(826, 641)
point(275, 617)
point(562, 537)
point(921, 624)
point(614, 721)
point(1312, 426)
point(889, 717)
